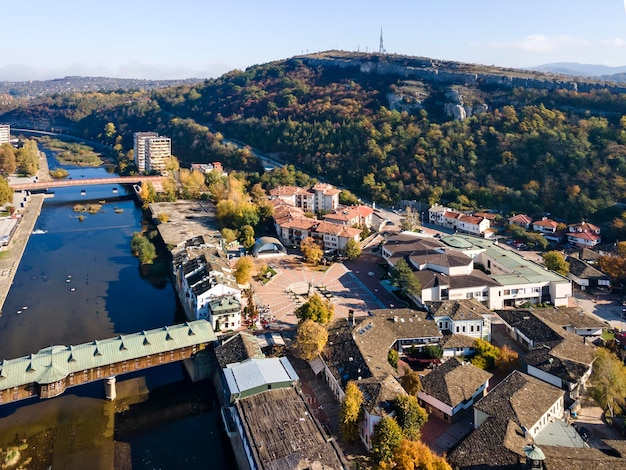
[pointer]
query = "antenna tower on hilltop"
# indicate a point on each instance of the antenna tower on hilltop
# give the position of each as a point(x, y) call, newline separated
point(381, 48)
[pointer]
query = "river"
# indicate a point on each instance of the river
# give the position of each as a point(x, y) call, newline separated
point(78, 282)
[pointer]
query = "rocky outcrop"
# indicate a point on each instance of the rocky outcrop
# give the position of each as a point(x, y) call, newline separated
point(454, 73)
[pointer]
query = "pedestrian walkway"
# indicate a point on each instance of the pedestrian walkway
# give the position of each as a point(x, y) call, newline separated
point(284, 293)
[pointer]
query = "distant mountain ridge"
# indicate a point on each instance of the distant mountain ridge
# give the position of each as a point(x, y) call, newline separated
point(34, 88)
point(583, 70)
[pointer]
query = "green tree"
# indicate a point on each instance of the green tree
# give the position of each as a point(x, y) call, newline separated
point(486, 355)
point(243, 269)
point(555, 261)
point(246, 236)
point(311, 250)
point(8, 161)
point(6, 192)
point(410, 416)
point(351, 412)
point(402, 277)
point(393, 357)
point(346, 198)
point(316, 309)
point(142, 248)
point(411, 382)
point(353, 249)
point(311, 337)
point(229, 235)
point(608, 382)
point(386, 439)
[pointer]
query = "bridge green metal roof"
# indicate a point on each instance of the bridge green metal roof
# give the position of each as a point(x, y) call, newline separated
point(56, 362)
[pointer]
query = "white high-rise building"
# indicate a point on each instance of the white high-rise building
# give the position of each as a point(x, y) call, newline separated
point(158, 153)
point(5, 134)
point(139, 146)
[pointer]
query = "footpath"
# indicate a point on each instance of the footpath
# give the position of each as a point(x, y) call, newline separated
point(11, 255)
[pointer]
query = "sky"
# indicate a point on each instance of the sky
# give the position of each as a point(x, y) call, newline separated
point(176, 39)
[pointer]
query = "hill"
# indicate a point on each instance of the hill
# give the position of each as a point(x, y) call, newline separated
point(388, 128)
point(35, 88)
point(602, 72)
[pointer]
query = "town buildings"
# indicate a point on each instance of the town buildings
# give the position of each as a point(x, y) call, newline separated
point(152, 153)
point(5, 134)
point(268, 421)
point(447, 270)
point(465, 223)
point(206, 286)
point(294, 209)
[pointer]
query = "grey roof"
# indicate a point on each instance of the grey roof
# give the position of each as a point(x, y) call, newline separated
point(496, 444)
point(379, 394)
point(54, 363)
point(530, 326)
point(584, 270)
point(253, 373)
point(453, 341)
point(454, 381)
point(238, 348)
point(440, 259)
point(520, 398)
point(542, 332)
point(571, 458)
point(565, 369)
point(461, 309)
point(342, 355)
point(402, 245)
point(283, 435)
point(568, 316)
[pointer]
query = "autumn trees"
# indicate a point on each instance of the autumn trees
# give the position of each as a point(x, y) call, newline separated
point(555, 261)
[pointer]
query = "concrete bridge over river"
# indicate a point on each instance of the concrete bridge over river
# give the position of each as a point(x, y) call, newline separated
point(61, 183)
point(52, 370)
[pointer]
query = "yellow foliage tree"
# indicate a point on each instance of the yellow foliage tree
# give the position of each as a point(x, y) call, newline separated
point(415, 455)
point(311, 338)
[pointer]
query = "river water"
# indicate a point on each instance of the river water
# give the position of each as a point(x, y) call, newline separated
point(77, 282)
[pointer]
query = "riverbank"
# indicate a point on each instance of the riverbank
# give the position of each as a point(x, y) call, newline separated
point(11, 255)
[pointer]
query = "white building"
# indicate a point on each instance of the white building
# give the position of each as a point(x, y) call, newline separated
point(139, 148)
point(158, 154)
point(466, 317)
point(5, 134)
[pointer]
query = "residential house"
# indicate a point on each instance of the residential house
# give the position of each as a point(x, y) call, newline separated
point(436, 213)
point(549, 229)
point(584, 239)
point(208, 168)
point(505, 421)
point(586, 276)
point(466, 317)
point(545, 225)
point(335, 237)
point(452, 387)
point(457, 345)
point(555, 355)
point(207, 288)
point(378, 398)
point(139, 148)
point(472, 224)
point(321, 197)
point(521, 220)
point(572, 320)
point(353, 216)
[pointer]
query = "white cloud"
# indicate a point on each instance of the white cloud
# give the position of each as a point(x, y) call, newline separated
point(539, 43)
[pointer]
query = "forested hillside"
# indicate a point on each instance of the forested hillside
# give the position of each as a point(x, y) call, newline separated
point(382, 136)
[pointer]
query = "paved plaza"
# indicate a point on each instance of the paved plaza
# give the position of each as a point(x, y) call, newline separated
point(295, 280)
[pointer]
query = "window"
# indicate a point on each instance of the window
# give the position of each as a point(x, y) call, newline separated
point(507, 292)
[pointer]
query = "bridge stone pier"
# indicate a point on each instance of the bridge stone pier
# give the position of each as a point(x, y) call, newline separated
point(109, 388)
point(52, 370)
